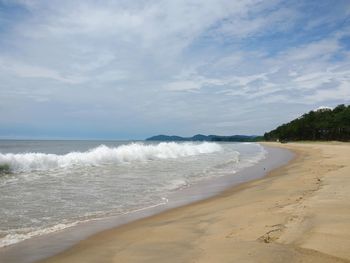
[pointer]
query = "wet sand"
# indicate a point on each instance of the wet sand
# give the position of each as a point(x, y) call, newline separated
point(299, 213)
point(45, 246)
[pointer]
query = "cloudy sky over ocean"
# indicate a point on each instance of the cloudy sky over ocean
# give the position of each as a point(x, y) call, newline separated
point(132, 69)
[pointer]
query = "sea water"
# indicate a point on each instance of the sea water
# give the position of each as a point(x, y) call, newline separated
point(52, 185)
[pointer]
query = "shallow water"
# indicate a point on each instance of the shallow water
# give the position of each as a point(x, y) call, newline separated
point(56, 184)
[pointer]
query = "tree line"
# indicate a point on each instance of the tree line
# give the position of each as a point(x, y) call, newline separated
point(323, 124)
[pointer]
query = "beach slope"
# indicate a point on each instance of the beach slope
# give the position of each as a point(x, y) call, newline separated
point(299, 213)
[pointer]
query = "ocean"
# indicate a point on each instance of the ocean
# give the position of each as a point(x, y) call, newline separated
point(52, 185)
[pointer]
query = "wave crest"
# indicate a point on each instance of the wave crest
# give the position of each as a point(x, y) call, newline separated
point(102, 154)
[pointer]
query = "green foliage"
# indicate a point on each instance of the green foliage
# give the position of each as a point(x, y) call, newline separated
point(323, 125)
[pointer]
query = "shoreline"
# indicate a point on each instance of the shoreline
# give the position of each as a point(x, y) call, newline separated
point(45, 246)
point(299, 213)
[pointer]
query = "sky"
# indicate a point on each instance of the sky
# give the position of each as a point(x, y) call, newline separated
point(132, 69)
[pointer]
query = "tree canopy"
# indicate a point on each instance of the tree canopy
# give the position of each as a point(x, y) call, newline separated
point(323, 124)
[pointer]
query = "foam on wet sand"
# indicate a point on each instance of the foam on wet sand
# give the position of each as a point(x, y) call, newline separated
point(300, 213)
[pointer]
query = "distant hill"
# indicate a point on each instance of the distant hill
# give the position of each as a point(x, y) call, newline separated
point(321, 124)
point(211, 138)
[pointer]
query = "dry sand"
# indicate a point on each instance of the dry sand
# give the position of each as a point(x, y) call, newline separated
point(299, 213)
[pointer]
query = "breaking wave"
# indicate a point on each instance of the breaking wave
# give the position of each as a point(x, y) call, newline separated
point(25, 162)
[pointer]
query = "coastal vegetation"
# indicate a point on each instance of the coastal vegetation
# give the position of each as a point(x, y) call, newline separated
point(323, 124)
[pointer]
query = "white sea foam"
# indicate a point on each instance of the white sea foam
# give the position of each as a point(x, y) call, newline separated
point(177, 184)
point(135, 186)
point(16, 237)
point(260, 155)
point(25, 162)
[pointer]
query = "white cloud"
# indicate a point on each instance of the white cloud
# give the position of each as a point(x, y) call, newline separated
point(22, 70)
point(185, 60)
point(259, 22)
point(319, 49)
point(182, 86)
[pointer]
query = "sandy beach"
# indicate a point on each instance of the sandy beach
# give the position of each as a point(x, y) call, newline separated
point(298, 213)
